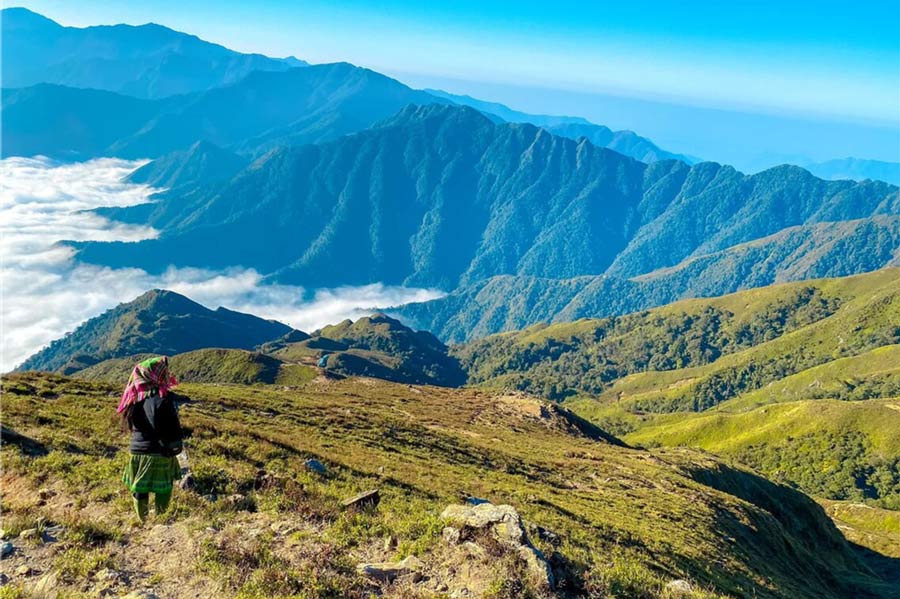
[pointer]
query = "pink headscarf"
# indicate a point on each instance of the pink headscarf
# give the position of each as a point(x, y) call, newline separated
point(150, 374)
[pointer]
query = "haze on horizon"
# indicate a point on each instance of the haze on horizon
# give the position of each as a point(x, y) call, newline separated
point(802, 82)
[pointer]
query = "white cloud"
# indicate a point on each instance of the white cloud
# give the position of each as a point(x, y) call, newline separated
point(45, 293)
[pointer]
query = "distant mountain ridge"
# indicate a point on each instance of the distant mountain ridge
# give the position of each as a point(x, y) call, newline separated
point(276, 108)
point(146, 61)
point(830, 249)
point(624, 142)
point(857, 169)
point(153, 62)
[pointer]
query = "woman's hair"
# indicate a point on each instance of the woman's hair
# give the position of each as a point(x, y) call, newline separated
point(126, 418)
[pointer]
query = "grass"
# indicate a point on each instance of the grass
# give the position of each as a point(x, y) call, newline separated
point(829, 448)
point(871, 374)
point(629, 520)
point(867, 525)
point(209, 365)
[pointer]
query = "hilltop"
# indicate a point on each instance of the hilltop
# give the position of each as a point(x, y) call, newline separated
point(610, 520)
point(376, 346)
point(157, 322)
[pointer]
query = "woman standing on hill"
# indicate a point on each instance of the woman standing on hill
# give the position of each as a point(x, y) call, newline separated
point(148, 410)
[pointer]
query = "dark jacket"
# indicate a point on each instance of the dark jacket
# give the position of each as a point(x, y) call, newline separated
point(155, 427)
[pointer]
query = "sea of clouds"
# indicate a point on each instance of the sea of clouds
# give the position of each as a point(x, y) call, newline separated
point(45, 293)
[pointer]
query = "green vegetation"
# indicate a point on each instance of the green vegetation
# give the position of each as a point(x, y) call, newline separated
point(828, 448)
point(205, 366)
point(705, 373)
point(157, 322)
point(586, 356)
point(868, 375)
point(628, 520)
point(693, 355)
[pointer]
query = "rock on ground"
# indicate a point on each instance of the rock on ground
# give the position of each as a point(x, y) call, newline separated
point(507, 527)
point(389, 571)
point(680, 587)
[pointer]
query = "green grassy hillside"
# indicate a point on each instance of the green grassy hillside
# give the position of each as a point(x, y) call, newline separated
point(704, 373)
point(624, 521)
point(829, 448)
point(208, 366)
point(868, 375)
point(694, 354)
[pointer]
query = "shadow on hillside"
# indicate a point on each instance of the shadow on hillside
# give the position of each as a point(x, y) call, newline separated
point(589, 429)
point(28, 445)
point(887, 568)
point(814, 550)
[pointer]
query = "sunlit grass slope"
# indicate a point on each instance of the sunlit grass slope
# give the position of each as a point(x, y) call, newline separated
point(628, 520)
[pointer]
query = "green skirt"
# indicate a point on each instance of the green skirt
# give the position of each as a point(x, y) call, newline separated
point(151, 473)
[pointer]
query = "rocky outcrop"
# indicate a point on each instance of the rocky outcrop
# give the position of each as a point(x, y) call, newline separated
point(506, 526)
point(390, 571)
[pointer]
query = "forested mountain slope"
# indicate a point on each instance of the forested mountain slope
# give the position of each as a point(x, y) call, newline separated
point(472, 199)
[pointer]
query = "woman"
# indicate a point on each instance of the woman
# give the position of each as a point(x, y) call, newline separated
point(148, 410)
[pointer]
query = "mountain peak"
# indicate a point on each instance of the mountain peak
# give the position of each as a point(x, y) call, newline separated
point(158, 321)
point(419, 113)
point(17, 17)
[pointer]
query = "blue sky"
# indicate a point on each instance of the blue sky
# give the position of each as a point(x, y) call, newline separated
point(752, 83)
point(839, 59)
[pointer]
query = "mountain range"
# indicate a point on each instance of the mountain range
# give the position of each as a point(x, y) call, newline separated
point(54, 77)
point(412, 187)
point(295, 106)
point(148, 61)
point(222, 346)
point(279, 108)
point(477, 206)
